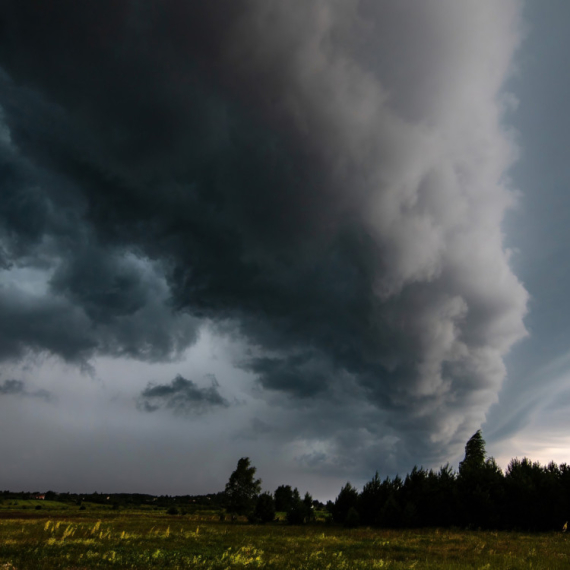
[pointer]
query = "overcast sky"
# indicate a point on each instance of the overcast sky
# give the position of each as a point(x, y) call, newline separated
point(331, 236)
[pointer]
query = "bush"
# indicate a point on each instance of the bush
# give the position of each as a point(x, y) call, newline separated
point(172, 511)
point(296, 514)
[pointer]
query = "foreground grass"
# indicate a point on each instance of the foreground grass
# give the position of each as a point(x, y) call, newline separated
point(50, 540)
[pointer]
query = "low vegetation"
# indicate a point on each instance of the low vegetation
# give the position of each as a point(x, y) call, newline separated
point(69, 539)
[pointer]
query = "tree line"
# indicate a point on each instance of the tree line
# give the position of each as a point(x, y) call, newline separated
point(181, 503)
point(527, 496)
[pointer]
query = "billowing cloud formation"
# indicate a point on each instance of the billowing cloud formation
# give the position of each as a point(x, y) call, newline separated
point(326, 177)
point(181, 396)
point(65, 290)
point(298, 375)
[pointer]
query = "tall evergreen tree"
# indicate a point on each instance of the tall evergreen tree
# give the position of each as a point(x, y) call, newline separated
point(308, 504)
point(347, 499)
point(474, 452)
point(371, 500)
point(480, 486)
point(297, 513)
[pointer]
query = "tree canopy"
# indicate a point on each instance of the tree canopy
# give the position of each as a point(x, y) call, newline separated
point(474, 452)
point(242, 488)
point(527, 496)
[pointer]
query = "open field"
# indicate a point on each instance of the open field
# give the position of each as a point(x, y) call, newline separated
point(61, 538)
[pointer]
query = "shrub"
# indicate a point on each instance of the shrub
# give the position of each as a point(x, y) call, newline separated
point(297, 514)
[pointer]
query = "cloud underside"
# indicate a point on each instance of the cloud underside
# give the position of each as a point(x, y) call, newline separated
point(182, 396)
point(325, 180)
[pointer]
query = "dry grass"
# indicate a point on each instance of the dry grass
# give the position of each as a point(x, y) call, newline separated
point(149, 540)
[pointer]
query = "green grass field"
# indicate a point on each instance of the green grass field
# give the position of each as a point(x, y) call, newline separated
point(60, 536)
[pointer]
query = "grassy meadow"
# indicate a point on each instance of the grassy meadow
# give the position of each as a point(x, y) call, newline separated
point(63, 537)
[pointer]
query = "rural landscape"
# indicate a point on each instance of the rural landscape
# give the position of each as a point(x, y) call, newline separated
point(284, 284)
point(476, 518)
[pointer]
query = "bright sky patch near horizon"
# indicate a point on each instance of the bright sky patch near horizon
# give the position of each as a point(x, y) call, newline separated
point(329, 236)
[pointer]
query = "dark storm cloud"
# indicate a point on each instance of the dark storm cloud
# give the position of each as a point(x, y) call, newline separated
point(328, 178)
point(18, 388)
point(292, 375)
point(181, 396)
point(65, 290)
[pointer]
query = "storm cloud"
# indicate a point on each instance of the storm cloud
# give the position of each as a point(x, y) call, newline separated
point(181, 396)
point(18, 388)
point(325, 181)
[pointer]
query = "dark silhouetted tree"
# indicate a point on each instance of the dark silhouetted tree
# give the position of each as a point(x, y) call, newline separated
point(264, 509)
point(474, 452)
point(309, 510)
point(352, 519)
point(283, 498)
point(373, 497)
point(297, 513)
point(443, 498)
point(529, 496)
point(347, 499)
point(242, 489)
point(391, 514)
point(480, 487)
point(536, 498)
point(414, 496)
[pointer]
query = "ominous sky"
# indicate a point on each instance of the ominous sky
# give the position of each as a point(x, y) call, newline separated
point(329, 235)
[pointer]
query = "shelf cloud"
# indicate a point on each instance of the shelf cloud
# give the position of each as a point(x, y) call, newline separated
point(326, 181)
